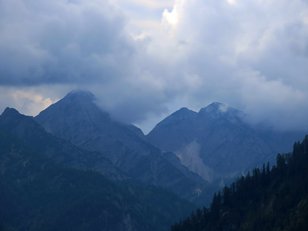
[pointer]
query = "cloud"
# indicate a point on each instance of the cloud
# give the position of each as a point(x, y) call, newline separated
point(74, 44)
point(252, 55)
point(143, 15)
point(27, 100)
point(158, 4)
point(60, 42)
point(144, 61)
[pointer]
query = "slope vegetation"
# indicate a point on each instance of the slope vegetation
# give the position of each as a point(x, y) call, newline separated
point(266, 200)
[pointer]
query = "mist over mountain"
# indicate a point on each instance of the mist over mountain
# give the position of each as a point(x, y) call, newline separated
point(217, 142)
point(77, 119)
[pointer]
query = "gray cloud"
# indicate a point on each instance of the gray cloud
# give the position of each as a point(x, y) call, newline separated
point(252, 55)
point(249, 54)
point(60, 42)
point(76, 44)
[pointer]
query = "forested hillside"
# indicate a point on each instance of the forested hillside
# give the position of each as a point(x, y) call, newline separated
point(267, 199)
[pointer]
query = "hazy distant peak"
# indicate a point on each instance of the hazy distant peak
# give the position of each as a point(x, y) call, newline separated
point(183, 114)
point(220, 110)
point(184, 111)
point(76, 105)
point(215, 107)
point(80, 95)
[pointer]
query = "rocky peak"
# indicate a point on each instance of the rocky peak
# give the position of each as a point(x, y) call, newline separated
point(80, 95)
point(10, 112)
point(180, 115)
point(75, 106)
point(218, 110)
point(11, 118)
point(184, 111)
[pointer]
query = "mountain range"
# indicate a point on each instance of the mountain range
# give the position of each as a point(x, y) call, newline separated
point(218, 143)
point(62, 152)
point(77, 119)
point(46, 185)
point(75, 167)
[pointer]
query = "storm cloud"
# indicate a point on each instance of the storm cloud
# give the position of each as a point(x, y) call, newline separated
point(60, 42)
point(251, 55)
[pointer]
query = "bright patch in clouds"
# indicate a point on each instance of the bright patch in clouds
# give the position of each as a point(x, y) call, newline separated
point(143, 15)
point(26, 100)
point(171, 17)
point(232, 2)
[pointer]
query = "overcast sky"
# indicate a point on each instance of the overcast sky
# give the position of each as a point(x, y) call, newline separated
point(144, 59)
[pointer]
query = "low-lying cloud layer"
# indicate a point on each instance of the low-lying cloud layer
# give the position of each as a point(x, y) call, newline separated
point(252, 55)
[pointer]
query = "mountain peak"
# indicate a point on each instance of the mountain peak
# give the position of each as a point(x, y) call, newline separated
point(14, 122)
point(215, 107)
point(76, 106)
point(10, 112)
point(181, 114)
point(80, 95)
point(218, 110)
point(184, 111)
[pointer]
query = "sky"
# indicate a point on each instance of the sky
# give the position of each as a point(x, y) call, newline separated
point(145, 59)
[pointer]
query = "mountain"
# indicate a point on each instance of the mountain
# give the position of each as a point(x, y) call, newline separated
point(41, 193)
point(217, 142)
point(77, 119)
point(34, 136)
point(265, 200)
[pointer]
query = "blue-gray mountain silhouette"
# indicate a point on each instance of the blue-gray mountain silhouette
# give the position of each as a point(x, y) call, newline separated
point(77, 119)
point(49, 184)
point(217, 142)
